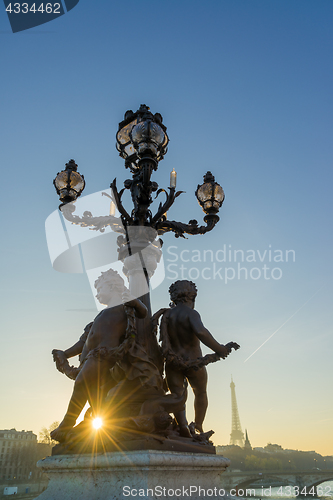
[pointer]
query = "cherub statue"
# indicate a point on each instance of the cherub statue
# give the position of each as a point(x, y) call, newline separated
point(181, 332)
point(103, 343)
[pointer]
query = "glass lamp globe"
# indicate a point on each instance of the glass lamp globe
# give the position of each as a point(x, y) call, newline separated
point(69, 183)
point(141, 134)
point(210, 195)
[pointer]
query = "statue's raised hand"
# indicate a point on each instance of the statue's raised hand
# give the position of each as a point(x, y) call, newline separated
point(226, 349)
point(60, 359)
point(232, 345)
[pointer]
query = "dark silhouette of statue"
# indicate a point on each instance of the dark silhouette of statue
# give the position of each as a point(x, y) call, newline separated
point(181, 332)
point(103, 343)
point(125, 387)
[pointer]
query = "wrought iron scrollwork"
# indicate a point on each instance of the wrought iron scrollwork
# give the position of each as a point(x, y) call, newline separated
point(141, 215)
point(180, 229)
point(94, 223)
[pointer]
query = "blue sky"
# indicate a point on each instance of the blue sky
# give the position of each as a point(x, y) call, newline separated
point(245, 91)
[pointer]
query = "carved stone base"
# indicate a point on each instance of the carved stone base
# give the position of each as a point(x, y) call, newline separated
point(146, 474)
point(184, 445)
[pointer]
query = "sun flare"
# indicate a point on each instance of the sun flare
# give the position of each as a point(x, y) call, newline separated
point(97, 423)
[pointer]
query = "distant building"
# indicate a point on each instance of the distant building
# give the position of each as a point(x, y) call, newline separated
point(220, 449)
point(236, 436)
point(273, 448)
point(247, 444)
point(19, 452)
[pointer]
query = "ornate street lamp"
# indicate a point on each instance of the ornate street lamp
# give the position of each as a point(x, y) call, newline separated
point(69, 183)
point(142, 141)
point(210, 195)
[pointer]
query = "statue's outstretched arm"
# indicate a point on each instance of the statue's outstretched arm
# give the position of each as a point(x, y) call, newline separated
point(75, 350)
point(205, 336)
point(60, 357)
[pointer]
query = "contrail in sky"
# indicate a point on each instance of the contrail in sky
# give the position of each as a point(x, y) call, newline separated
point(284, 323)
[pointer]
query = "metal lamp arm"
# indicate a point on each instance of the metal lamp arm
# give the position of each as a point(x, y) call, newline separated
point(179, 228)
point(88, 220)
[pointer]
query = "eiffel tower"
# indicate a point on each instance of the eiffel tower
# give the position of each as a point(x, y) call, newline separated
point(236, 436)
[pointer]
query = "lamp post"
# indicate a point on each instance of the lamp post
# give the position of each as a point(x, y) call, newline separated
point(142, 142)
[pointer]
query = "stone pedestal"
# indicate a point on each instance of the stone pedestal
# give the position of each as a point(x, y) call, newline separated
point(143, 474)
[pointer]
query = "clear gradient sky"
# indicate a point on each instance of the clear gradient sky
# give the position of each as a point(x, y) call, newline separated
point(245, 89)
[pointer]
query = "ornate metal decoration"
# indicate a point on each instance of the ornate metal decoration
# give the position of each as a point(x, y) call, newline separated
point(142, 141)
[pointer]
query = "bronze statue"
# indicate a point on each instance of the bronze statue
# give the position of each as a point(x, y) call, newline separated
point(105, 343)
point(124, 385)
point(181, 332)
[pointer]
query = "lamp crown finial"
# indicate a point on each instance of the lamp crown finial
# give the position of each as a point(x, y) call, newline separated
point(71, 165)
point(209, 177)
